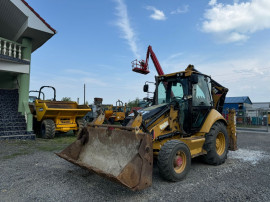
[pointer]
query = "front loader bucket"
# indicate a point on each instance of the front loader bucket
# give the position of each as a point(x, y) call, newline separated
point(116, 152)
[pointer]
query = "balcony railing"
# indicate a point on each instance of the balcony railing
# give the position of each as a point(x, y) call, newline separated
point(10, 48)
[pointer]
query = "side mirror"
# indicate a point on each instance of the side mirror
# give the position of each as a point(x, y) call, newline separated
point(145, 88)
point(194, 78)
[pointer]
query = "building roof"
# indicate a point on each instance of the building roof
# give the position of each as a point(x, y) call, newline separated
point(19, 20)
point(261, 105)
point(241, 99)
point(49, 26)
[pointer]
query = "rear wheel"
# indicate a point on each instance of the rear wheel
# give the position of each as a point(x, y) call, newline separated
point(174, 160)
point(80, 123)
point(47, 129)
point(216, 144)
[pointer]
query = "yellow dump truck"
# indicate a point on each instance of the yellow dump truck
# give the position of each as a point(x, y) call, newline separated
point(184, 122)
point(52, 116)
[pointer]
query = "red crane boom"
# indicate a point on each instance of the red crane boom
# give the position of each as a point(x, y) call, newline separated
point(142, 65)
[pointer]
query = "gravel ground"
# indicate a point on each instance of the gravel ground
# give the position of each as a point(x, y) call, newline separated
point(30, 171)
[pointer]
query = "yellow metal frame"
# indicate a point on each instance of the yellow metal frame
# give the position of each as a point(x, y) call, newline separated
point(109, 112)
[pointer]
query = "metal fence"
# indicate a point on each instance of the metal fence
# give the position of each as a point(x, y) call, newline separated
point(252, 119)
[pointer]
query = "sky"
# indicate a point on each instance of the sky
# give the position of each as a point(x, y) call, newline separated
point(97, 40)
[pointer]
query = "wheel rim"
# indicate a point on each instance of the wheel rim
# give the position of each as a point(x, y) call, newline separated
point(180, 162)
point(220, 143)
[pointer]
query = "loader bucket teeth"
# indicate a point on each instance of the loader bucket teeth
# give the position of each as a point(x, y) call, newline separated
point(118, 153)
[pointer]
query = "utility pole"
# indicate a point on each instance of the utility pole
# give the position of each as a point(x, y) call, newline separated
point(84, 94)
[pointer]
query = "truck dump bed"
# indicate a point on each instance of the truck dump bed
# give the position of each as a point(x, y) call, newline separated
point(51, 109)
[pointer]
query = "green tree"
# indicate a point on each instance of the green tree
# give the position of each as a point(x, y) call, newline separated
point(134, 103)
point(66, 99)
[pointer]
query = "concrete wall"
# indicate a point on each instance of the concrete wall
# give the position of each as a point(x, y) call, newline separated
point(8, 80)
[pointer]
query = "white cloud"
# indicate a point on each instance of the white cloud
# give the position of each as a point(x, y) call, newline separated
point(175, 55)
point(243, 76)
point(124, 24)
point(79, 72)
point(235, 22)
point(94, 81)
point(181, 10)
point(157, 15)
point(234, 36)
point(212, 2)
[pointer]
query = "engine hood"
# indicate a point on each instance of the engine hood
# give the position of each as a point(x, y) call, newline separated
point(150, 111)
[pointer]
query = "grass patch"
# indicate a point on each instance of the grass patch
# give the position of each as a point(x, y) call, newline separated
point(12, 149)
point(57, 140)
point(58, 143)
point(50, 148)
point(11, 156)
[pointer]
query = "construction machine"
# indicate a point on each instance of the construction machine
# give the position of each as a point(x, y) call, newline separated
point(32, 98)
point(183, 122)
point(142, 67)
point(96, 109)
point(119, 112)
point(52, 116)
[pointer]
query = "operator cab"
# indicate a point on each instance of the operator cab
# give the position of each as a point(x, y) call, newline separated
point(191, 93)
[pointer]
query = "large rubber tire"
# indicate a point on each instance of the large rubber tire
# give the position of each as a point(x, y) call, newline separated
point(216, 144)
point(174, 160)
point(111, 121)
point(47, 129)
point(80, 123)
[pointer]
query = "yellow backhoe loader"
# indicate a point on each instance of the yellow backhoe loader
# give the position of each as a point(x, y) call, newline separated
point(119, 112)
point(184, 122)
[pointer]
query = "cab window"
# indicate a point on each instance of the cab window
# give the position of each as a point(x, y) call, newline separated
point(200, 92)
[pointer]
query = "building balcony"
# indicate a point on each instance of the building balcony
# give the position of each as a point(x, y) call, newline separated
point(11, 51)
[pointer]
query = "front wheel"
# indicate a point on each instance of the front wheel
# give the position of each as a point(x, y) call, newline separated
point(174, 160)
point(216, 144)
point(47, 129)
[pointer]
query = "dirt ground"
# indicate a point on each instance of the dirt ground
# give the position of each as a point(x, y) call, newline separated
point(30, 171)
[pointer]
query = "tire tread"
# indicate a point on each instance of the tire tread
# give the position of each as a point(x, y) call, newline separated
point(164, 156)
point(49, 129)
point(209, 146)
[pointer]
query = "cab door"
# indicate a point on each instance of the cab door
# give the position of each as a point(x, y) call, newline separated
point(202, 101)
